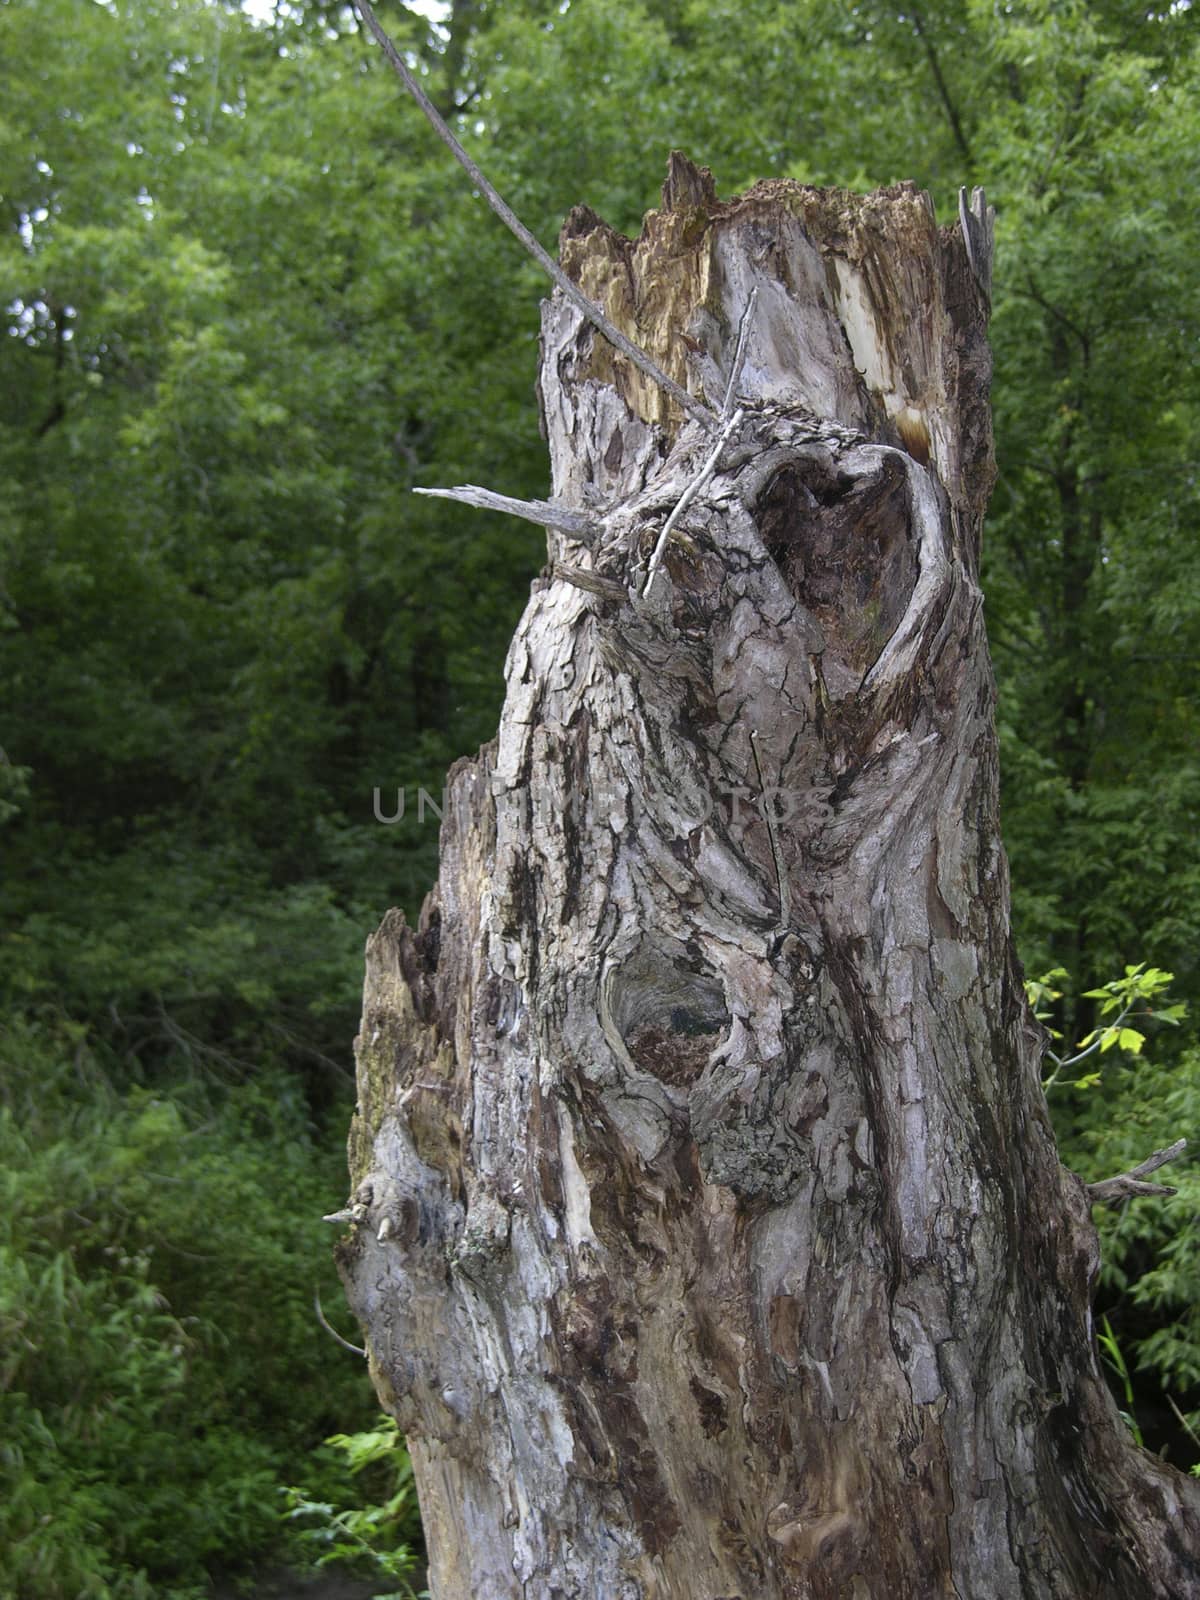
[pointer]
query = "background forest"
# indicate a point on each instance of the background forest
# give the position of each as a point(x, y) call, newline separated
point(249, 305)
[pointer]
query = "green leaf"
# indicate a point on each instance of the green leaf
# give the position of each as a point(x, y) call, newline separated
point(1173, 1014)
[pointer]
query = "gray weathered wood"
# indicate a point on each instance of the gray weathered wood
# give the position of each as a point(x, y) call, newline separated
point(712, 1239)
point(1129, 1185)
point(544, 512)
point(977, 221)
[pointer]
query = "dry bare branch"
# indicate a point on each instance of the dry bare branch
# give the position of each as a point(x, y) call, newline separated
point(739, 356)
point(331, 1330)
point(543, 512)
point(1127, 1185)
point(686, 498)
point(691, 406)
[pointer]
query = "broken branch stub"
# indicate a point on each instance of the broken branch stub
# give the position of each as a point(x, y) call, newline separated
point(727, 1251)
point(1130, 1185)
point(543, 512)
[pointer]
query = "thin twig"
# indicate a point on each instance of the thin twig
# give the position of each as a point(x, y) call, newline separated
point(544, 512)
point(686, 498)
point(1126, 1185)
point(191, 1044)
point(1067, 130)
point(739, 356)
point(310, 1050)
point(693, 407)
point(1061, 1063)
point(948, 105)
point(1039, 299)
point(331, 1330)
point(1183, 1421)
point(785, 893)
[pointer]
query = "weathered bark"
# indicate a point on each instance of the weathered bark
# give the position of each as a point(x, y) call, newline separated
point(713, 1240)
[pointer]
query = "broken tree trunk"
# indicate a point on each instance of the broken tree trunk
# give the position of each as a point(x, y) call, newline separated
point(711, 1239)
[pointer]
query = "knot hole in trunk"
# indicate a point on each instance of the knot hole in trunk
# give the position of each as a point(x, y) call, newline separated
point(843, 544)
point(670, 1015)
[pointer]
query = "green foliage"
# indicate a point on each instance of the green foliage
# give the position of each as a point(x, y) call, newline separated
point(249, 305)
point(1127, 996)
point(159, 1362)
point(1149, 1295)
point(1107, 1340)
point(227, 619)
point(380, 1537)
point(1093, 589)
point(1150, 1252)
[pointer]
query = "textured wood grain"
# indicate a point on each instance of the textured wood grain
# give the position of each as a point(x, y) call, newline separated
point(727, 1252)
